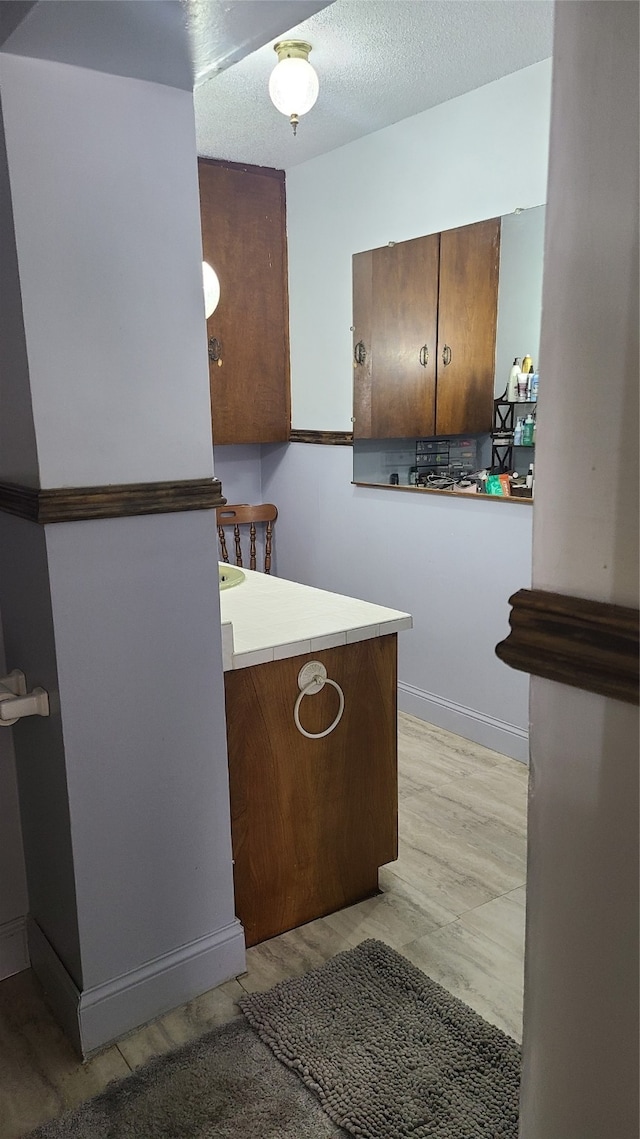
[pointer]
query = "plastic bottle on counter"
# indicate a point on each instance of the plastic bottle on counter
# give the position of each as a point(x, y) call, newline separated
point(517, 434)
point(527, 431)
point(534, 388)
point(529, 479)
point(512, 383)
point(526, 364)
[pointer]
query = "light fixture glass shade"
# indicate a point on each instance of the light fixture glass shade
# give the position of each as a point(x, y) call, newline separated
point(211, 286)
point(293, 86)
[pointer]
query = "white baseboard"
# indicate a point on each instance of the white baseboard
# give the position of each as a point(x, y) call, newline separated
point(14, 954)
point(499, 735)
point(96, 1016)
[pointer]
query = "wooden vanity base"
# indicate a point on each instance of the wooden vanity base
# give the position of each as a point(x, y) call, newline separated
point(312, 820)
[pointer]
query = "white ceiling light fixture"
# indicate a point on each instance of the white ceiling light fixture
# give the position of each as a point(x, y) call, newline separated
point(293, 84)
point(211, 286)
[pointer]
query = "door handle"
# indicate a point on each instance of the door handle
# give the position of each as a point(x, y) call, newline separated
point(215, 351)
point(446, 355)
point(359, 353)
point(424, 355)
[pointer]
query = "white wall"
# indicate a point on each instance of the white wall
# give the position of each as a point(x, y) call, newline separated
point(580, 1078)
point(452, 564)
point(478, 156)
point(448, 568)
point(241, 468)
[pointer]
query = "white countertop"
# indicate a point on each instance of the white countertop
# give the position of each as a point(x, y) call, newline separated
point(272, 619)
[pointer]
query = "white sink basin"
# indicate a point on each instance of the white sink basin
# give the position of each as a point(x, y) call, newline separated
point(229, 576)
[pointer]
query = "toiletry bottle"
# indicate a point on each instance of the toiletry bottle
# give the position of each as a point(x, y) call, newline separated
point(512, 385)
point(527, 431)
point(522, 386)
point(517, 435)
point(530, 383)
point(534, 387)
point(526, 364)
point(529, 479)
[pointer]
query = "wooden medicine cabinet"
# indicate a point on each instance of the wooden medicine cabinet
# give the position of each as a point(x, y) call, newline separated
point(242, 211)
point(424, 334)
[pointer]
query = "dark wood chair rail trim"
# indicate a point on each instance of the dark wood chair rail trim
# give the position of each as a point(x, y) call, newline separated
point(586, 644)
point(330, 438)
point(80, 503)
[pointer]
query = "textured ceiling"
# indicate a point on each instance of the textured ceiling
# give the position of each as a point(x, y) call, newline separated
point(378, 61)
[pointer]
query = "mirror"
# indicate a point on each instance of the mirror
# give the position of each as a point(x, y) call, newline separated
point(401, 461)
point(519, 290)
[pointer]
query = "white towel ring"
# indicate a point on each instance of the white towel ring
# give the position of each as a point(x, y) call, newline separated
point(312, 679)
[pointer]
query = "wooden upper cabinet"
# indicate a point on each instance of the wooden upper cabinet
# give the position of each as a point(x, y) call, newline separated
point(424, 315)
point(242, 212)
point(395, 292)
point(467, 312)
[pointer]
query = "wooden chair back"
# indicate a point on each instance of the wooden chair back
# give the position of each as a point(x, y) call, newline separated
point(243, 516)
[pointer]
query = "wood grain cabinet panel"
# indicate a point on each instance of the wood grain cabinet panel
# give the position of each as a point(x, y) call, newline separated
point(467, 312)
point(312, 820)
point(405, 307)
point(395, 291)
point(424, 334)
point(362, 270)
point(242, 211)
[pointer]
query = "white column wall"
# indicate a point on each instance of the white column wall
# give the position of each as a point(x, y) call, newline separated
point(580, 1077)
point(124, 788)
point(106, 214)
point(142, 712)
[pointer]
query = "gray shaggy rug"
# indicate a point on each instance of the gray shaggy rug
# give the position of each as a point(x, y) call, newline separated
point(390, 1053)
point(365, 1045)
point(226, 1085)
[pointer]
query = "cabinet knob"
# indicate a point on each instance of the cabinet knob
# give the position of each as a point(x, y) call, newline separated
point(359, 353)
point(424, 355)
point(215, 350)
point(446, 355)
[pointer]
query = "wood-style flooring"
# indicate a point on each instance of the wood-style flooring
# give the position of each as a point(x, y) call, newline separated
point(453, 903)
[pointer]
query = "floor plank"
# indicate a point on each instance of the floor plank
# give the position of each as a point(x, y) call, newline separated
point(480, 970)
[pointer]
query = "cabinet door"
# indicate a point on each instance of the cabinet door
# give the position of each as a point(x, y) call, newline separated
point(244, 239)
point(467, 309)
point(312, 820)
point(394, 391)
